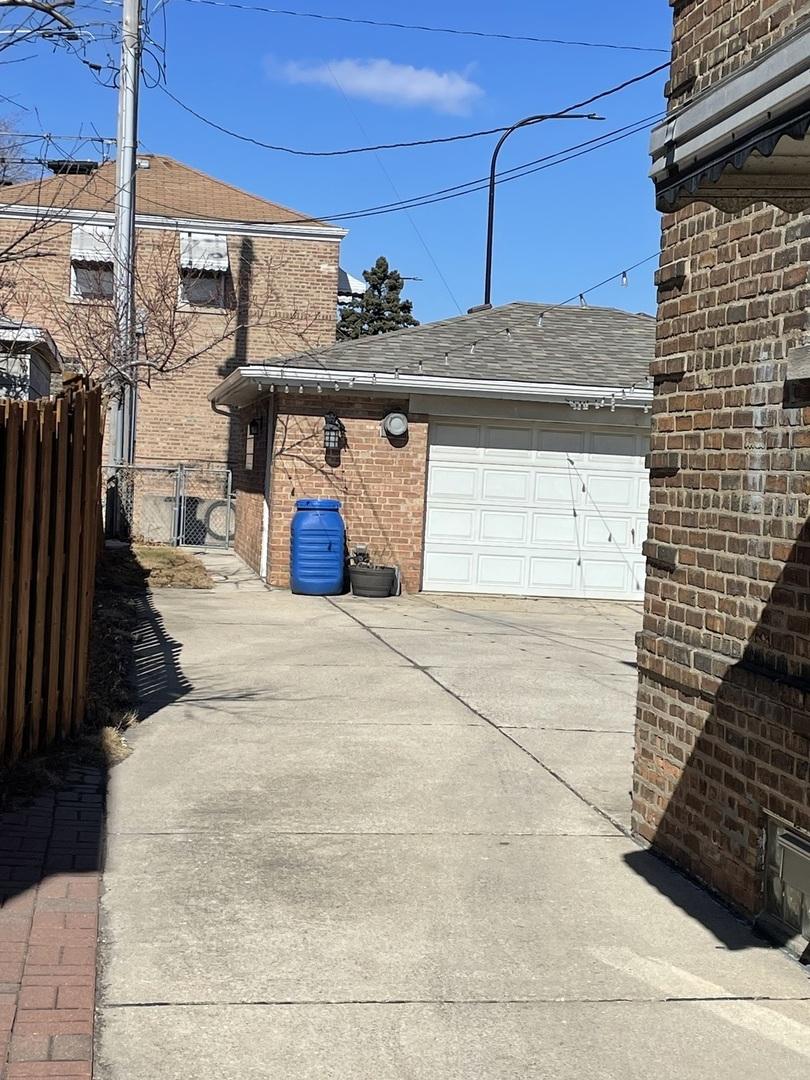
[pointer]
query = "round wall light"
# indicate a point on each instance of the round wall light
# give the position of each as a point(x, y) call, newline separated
point(395, 424)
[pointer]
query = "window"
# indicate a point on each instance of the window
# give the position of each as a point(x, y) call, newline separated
point(92, 281)
point(204, 269)
point(91, 265)
point(788, 877)
point(202, 288)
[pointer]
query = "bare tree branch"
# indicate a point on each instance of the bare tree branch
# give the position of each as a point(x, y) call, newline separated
point(51, 10)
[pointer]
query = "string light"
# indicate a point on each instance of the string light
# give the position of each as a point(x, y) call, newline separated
point(540, 321)
point(472, 347)
point(300, 389)
point(624, 279)
point(582, 301)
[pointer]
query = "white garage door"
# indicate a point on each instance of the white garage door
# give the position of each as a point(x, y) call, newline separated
point(529, 510)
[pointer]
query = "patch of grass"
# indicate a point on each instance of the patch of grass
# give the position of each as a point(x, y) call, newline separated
point(171, 568)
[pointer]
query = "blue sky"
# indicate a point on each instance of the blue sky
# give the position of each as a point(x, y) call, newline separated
point(325, 85)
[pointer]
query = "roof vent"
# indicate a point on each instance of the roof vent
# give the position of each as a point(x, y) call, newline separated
point(143, 163)
point(72, 167)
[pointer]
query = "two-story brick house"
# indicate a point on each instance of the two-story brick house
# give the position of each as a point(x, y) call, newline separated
point(221, 275)
point(722, 774)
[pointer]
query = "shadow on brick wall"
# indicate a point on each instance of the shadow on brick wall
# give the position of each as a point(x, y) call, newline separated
point(723, 737)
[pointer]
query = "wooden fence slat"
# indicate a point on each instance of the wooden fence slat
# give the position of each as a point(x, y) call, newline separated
point(87, 564)
point(22, 581)
point(8, 532)
point(44, 521)
point(55, 616)
point(50, 476)
point(73, 547)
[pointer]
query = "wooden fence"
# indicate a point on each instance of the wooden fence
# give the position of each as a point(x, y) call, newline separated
point(50, 454)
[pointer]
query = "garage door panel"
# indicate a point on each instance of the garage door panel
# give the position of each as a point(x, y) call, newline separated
point(501, 526)
point(517, 442)
point(600, 531)
point(558, 529)
point(501, 571)
point(444, 523)
point(554, 573)
point(561, 442)
point(450, 568)
point(557, 487)
point(453, 482)
point(500, 484)
point(516, 508)
point(454, 440)
point(614, 445)
point(605, 576)
point(604, 490)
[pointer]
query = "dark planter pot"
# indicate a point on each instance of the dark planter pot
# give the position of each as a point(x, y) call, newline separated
point(372, 580)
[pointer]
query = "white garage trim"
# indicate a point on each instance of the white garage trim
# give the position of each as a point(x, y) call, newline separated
point(531, 509)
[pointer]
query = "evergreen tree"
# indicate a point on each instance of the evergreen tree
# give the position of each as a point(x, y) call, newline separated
point(380, 309)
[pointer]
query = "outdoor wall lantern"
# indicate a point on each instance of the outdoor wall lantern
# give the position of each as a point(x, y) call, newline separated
point(255, 426)
point(334, 433)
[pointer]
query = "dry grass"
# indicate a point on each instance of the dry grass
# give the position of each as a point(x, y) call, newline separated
point(171, 568)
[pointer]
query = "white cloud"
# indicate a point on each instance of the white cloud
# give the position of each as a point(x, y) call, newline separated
point(386, 83)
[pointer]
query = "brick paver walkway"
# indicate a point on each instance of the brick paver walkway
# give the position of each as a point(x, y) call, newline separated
point(49, 887)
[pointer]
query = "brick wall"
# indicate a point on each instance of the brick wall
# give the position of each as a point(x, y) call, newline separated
point(284, 297)
point(381, 485)
point(723, 725)
point(713, 38)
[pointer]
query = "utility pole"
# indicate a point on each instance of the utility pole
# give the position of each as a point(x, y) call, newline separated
point(124, 232)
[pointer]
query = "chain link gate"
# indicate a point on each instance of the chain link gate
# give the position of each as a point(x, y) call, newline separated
point(177, 505)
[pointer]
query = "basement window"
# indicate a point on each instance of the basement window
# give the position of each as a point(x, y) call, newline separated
point(788, 877)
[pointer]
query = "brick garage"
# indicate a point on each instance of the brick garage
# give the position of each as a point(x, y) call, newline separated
point(483, 426)
point(723, 724)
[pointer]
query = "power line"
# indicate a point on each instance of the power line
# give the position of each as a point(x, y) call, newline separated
point(421, 28)
point(480, 184)
point(296, 151)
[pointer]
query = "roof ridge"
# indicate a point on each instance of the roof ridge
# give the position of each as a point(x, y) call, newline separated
point(232, 187)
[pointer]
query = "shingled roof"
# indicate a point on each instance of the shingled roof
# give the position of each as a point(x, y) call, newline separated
point(590, 346)
point(166, 188)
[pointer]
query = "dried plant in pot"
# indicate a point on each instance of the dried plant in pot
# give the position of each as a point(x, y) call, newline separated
point(368, 577)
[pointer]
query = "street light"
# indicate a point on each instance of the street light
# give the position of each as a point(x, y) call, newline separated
point(525, 122)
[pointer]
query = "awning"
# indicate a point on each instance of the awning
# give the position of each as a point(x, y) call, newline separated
point(91, 244)
point(743, 140)
point(349, 286)
point(204, 251)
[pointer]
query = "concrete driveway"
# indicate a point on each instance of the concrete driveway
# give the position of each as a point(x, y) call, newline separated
point(384, 839)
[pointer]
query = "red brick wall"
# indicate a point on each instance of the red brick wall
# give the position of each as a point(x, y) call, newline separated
point(381, 485)
point(723, 725)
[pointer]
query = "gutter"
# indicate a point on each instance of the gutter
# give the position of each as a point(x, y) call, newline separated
point(246, 384)
point(290, 230)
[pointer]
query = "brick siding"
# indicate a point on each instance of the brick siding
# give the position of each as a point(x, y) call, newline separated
point(380, 484)
point(284, 297)
point(723, 726)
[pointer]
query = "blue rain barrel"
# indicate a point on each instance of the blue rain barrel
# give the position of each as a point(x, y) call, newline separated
point(317, 548)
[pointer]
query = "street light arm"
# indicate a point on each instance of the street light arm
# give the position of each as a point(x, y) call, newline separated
point(527, 121)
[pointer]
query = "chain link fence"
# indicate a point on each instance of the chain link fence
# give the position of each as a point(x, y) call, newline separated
point(180, 504)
